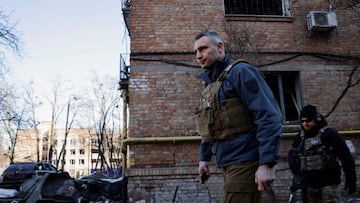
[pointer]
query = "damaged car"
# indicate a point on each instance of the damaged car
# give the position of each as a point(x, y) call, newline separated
point(16, 173)
point(61, 188)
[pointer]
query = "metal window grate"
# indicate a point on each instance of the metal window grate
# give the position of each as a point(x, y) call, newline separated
point(254, 7)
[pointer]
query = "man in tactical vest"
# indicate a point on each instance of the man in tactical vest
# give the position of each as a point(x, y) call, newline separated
point(315, 155)
point(238, 120)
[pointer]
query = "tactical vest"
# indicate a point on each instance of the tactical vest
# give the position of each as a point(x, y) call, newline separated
point(315, 155)
point(216, 121)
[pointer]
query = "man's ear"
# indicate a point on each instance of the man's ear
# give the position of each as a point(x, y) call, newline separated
point(220, 47)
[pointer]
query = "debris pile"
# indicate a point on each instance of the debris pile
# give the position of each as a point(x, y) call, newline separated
point(60, 187)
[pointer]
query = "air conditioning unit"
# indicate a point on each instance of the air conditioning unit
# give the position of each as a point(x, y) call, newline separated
point(321, 21)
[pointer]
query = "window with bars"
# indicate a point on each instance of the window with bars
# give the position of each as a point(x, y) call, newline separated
point(257, 7)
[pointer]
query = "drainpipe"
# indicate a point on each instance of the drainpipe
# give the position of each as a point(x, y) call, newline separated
point(124, 133)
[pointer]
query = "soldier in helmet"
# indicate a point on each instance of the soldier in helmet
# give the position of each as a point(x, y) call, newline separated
point(320, 149)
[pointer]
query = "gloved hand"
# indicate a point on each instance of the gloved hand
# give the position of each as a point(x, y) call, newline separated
point(350, 186)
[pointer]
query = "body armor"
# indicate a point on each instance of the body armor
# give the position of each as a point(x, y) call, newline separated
point(316, 156)
point(216, 121)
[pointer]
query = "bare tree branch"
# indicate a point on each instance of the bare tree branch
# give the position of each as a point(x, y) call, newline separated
point(9, 41)
point(14, 118)
point(349, 84)
point(105, 100)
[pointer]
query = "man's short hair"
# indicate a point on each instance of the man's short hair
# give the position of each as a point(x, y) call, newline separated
point(214, 36)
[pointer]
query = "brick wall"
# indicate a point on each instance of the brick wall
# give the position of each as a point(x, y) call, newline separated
point(162, 102)
point(163, 184)
point(164, 90)
point(163, 96)
point(162, 105)
point(168, 184)
point(322, 88)
point(169, 26)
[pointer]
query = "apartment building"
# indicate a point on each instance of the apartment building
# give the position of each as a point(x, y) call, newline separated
point(81, 155)
point(77, 155)
point(307, 51)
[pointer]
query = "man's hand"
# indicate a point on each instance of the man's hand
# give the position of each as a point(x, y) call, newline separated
point(203, 171)
point(264, 176)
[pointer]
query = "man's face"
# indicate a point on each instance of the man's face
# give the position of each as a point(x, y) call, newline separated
point(208, 52)
point(308, 123)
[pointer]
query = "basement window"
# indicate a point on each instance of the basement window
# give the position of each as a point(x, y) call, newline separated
point(257, 7)
point(287, 92)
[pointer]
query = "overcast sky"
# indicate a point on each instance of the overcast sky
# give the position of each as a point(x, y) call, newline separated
point(69, 38)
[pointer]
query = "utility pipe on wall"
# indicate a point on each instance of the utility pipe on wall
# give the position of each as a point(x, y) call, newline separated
point(177, 139)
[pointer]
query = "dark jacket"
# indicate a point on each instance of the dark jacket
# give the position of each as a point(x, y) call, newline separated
point(263, 141)
point(330, 176)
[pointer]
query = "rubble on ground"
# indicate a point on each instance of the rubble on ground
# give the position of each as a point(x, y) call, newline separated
point(62, 188)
